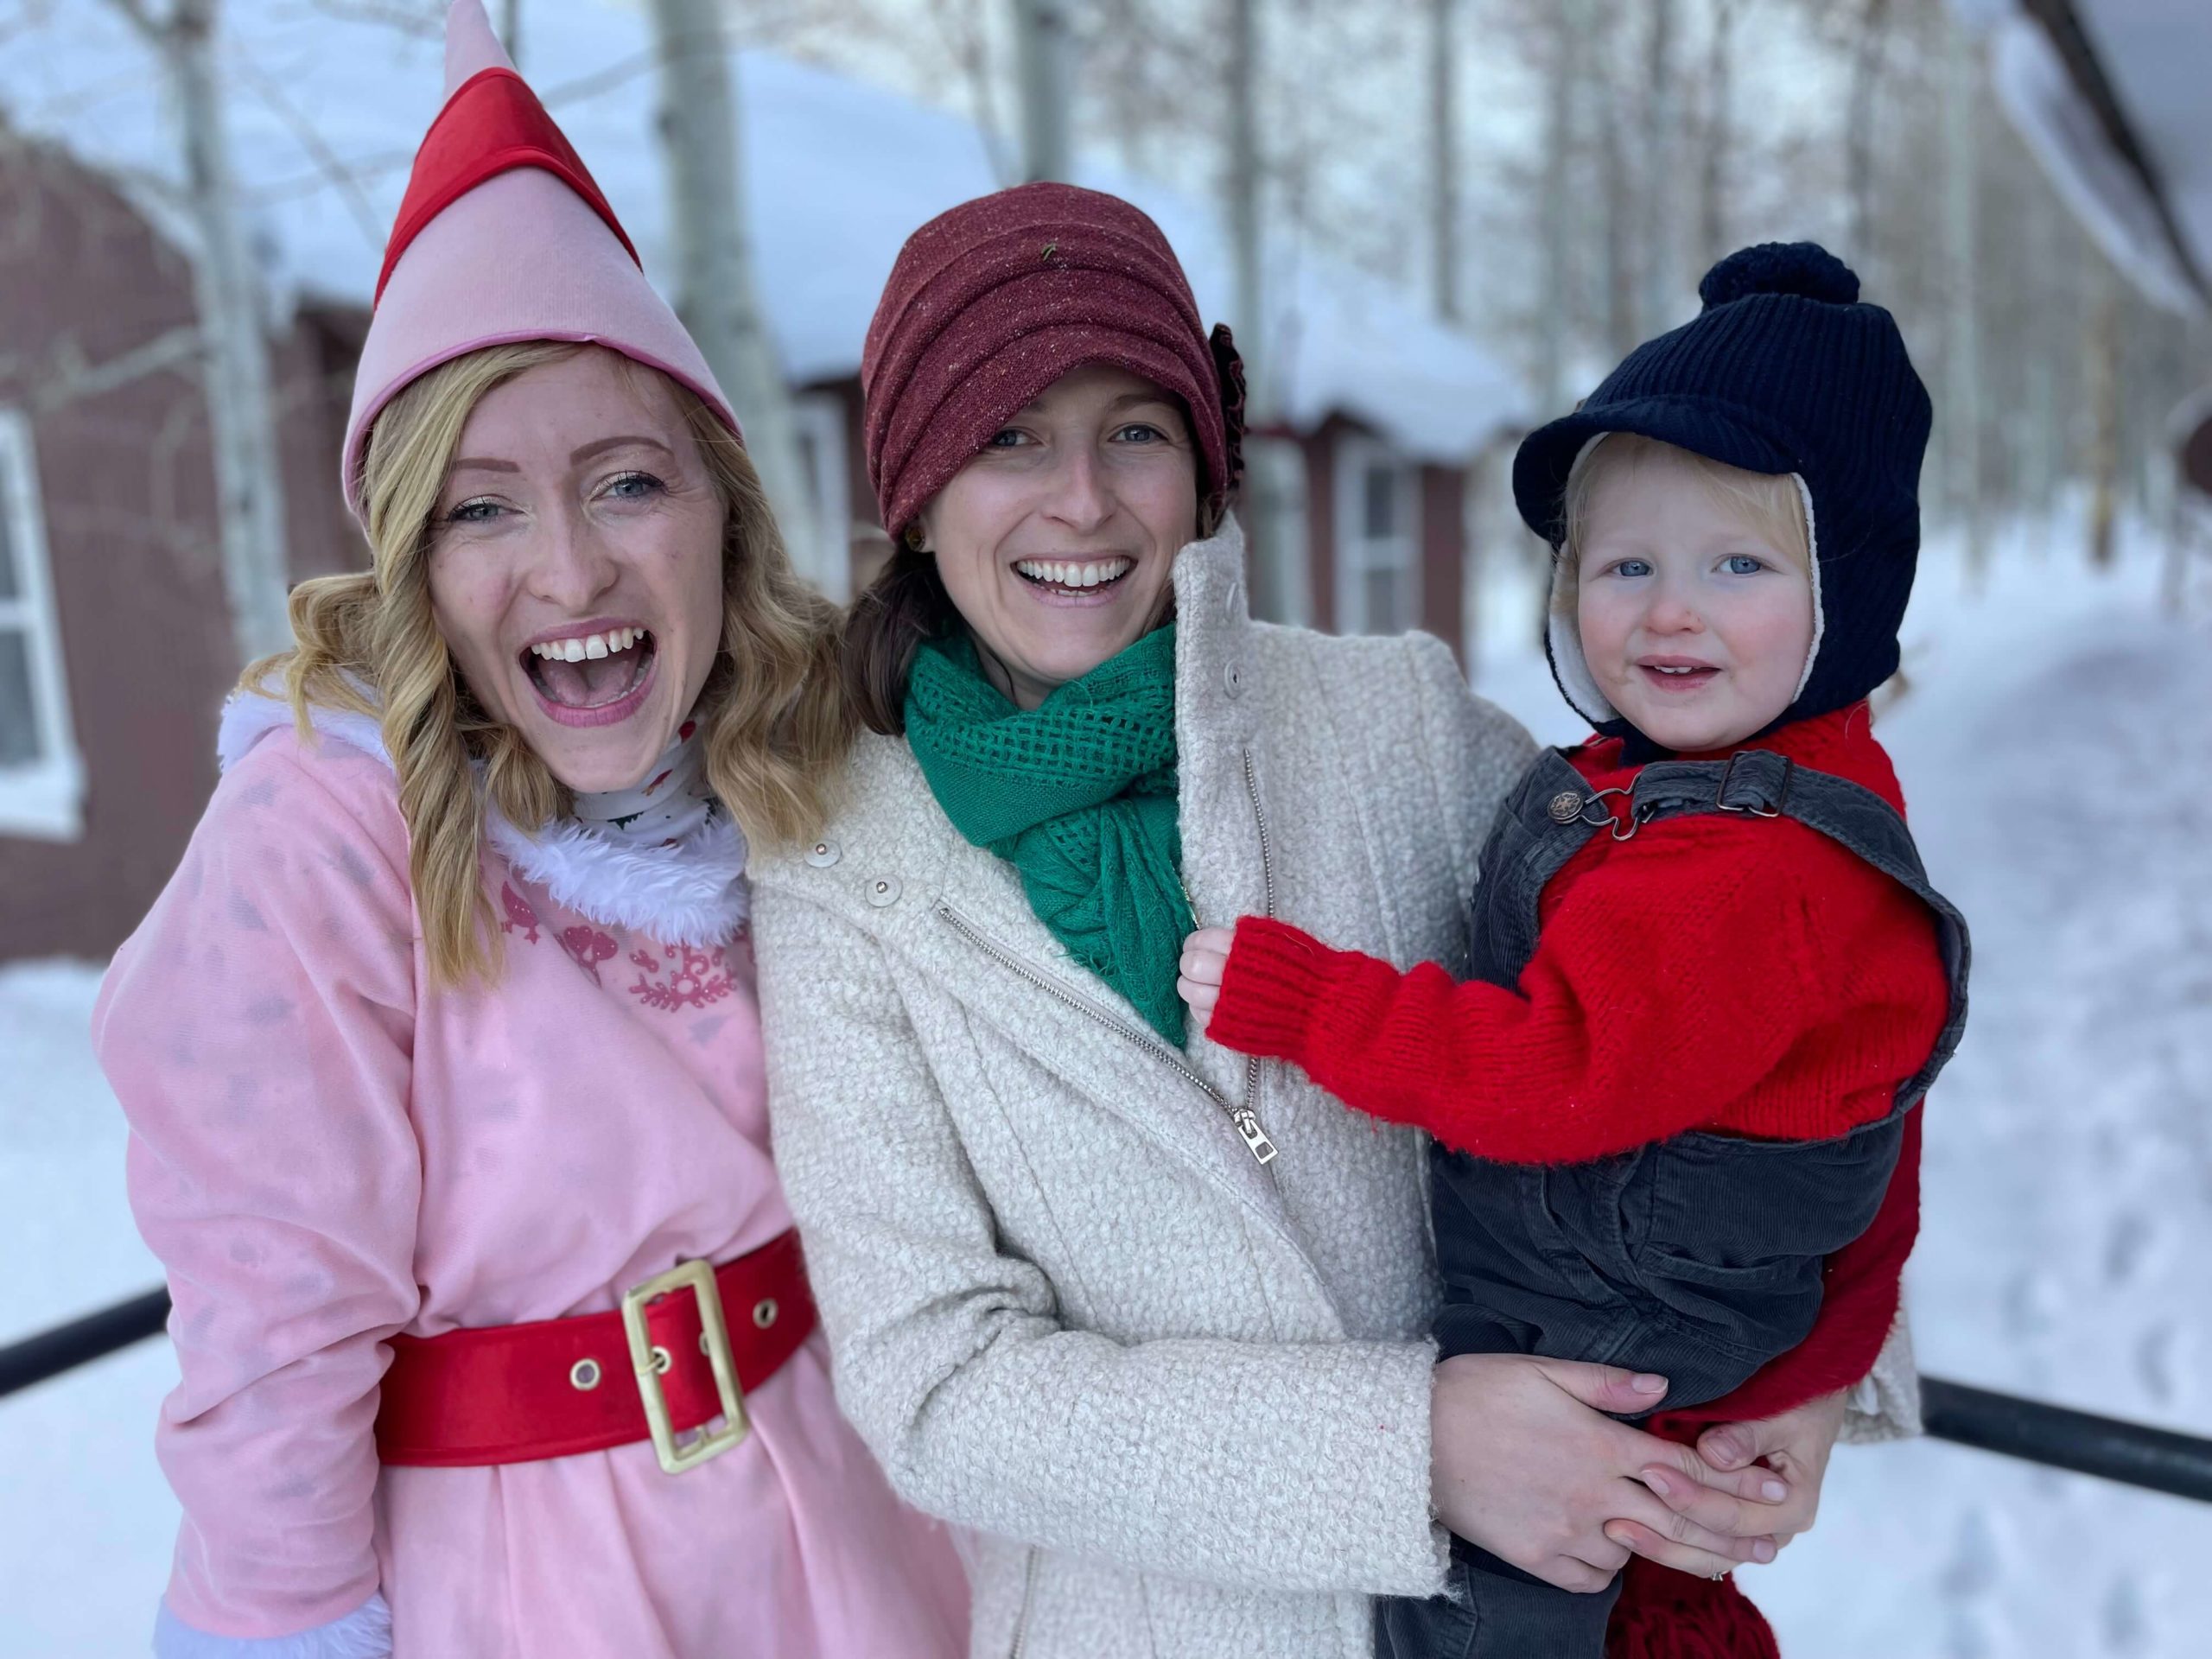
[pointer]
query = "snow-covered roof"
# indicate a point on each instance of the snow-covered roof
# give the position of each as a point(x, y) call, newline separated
point(2156, 56)
point(325, 108)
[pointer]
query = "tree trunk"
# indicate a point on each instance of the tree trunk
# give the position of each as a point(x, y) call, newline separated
point(2104, 402)
point(1719, 131)
point(1280, 585)
point(1045, 59)
point(241, 406)
point(1660, 294)
point(1443, 161)
point(1962, 342)
point(1565, 45)
point(1622, 328)
point(1866, 57)
point(715, 294)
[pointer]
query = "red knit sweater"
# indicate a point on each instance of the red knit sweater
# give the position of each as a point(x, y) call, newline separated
point(1746, 976)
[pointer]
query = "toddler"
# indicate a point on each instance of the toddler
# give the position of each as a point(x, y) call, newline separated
point(1674, 1106)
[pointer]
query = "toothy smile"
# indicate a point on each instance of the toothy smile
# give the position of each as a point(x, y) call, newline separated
point(1676, 673)
point(591, 670)
point(1074, 573)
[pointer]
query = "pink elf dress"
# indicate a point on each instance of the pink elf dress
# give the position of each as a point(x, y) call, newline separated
point(326, 1150)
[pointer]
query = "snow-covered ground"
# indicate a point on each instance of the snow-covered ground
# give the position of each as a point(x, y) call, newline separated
point(2055, 742)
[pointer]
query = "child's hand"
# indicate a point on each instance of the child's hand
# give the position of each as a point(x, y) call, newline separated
point(1205, 958)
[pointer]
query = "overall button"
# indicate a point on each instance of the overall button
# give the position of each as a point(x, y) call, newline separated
point(1566, 807)
point(882, 891)
point(822, 855)
point(1232, 678)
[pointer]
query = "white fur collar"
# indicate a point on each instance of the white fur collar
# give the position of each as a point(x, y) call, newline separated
point(694, 892)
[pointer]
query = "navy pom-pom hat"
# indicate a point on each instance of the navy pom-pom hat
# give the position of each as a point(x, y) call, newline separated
point(1784, 371)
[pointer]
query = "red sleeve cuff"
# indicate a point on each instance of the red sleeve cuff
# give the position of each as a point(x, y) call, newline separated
point(1276, 979)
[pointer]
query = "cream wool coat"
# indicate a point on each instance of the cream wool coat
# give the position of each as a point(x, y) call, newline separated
point(1181, 1397)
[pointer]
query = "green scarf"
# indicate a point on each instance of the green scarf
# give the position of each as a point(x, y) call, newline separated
point(1078, 795)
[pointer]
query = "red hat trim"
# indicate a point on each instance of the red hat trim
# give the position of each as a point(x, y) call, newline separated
point(491, 124)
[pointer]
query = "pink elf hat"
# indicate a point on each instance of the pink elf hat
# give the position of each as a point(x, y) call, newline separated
point(502, 236)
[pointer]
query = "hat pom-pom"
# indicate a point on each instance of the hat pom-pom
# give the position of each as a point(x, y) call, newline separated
point(1805, 269)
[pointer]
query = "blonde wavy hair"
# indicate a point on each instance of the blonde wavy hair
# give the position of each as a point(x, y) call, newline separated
point(775, 722)
point(1769, 502)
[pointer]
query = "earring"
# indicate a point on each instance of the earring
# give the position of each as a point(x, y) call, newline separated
point(915, 540)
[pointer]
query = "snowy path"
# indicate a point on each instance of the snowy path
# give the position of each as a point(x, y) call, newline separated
point(2056, 747)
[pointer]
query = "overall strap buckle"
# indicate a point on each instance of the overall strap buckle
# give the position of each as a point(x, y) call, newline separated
point(1762, 790)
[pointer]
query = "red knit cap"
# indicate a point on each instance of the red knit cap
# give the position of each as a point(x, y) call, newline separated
point(991, 303)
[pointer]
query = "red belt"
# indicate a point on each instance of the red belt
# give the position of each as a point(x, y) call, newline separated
point(681, 1352)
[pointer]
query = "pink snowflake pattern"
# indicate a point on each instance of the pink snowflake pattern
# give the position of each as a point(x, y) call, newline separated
point(698, 978)
point(589, 946)
point(520, 913)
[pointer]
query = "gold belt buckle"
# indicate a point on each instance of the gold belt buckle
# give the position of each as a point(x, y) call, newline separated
point(697, 1277)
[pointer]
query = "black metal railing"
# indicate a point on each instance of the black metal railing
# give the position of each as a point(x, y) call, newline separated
point(2135, 1454)
point(81, 1341)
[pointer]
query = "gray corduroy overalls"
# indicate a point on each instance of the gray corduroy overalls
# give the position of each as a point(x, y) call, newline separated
point(1700, 1256)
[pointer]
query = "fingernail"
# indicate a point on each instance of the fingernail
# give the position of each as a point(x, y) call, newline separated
point(1762, 1551)
point(1644, 1382)
point(1724, 1447)
point(1773, 1490)
point(1658, 1481)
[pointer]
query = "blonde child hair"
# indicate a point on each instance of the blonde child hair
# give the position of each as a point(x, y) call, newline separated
point(1771, 503)
point(367, 642)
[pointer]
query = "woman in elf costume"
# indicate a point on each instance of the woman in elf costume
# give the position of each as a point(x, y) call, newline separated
point(441, 1050)
point(1149, 1317)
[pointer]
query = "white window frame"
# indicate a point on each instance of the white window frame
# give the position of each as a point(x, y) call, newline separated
point(818, 418)
point(44, 799)
point(1358, 554)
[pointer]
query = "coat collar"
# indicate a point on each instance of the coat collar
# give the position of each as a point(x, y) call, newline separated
point(946, 895)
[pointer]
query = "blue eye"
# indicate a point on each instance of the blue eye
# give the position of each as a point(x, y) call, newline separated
point(1143, 430)
point(1007, 438)
point(1633, 568)
point(477, 511)
point(1743, 565)
point(634, 486)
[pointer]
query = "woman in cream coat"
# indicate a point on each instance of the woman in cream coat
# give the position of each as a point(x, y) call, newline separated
point(1151, 1321)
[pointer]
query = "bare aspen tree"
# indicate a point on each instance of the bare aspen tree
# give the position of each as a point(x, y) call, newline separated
point(1660, 287)
point(716, 295)
point(1868, 54)
point(1279, 582)
point(227, 290)
point(1561, 70)
point(1443, 160)
point(1962, 333)
point(1720, 130)
point(2106, 336)
point(1044, 52)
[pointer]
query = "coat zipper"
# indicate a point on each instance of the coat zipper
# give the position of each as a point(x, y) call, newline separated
point(1246, 1122)
point(1251, 1116)
point(1028, 1594)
